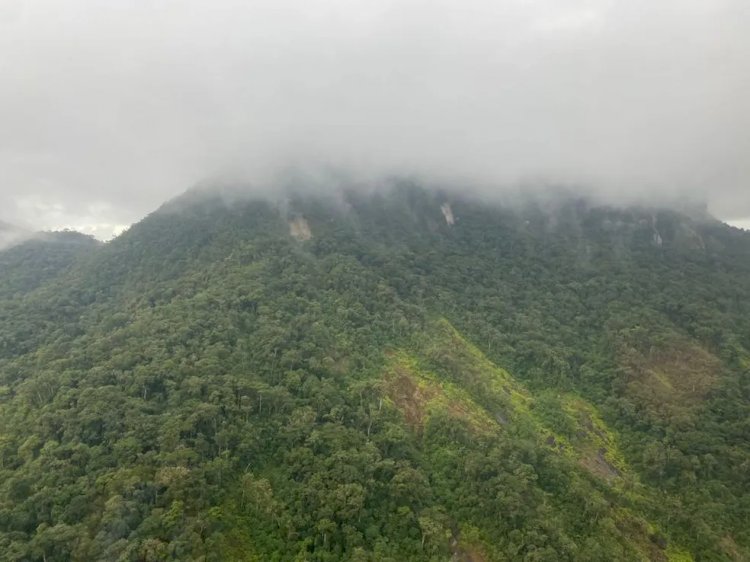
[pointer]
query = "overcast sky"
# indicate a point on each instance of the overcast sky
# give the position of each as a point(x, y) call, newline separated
point(107, 108)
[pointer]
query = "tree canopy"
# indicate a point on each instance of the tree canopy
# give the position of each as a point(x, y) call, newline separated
point(360, 378)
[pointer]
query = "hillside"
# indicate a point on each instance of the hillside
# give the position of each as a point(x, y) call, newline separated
point(40, 258)
point(404, 375)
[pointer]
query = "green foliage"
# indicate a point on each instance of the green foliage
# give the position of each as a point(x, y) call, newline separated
point(207, 387)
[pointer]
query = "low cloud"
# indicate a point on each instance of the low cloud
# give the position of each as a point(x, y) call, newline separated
point(109, 108)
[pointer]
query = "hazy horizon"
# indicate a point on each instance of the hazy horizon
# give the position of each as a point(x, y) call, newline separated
point(328, 186)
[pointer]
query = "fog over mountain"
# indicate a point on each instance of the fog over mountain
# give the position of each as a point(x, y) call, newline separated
point(107, 109)
point(10, 235)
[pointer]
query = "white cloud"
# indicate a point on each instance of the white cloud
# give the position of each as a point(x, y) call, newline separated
point(740, 223)
point(128, 103)
point(96, 219)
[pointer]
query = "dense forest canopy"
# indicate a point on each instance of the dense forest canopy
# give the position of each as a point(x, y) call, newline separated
point(399, 375)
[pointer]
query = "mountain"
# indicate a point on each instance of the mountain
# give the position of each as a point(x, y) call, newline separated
point(38, 259)
point(400, 375)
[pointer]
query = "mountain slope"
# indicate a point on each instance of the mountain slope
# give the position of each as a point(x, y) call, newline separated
point(405, 375)
point(39, 259)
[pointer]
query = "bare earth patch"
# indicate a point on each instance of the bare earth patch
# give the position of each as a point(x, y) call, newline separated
point(672, 378)
point(417, 393)
point(598, 465)
point(409, 397)
point(466, 553)
point(300, 229)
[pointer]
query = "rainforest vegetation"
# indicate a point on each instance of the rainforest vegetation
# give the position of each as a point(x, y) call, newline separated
point(401, 375)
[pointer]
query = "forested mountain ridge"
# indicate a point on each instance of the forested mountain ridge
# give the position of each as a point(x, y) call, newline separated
point(404, 375)
point(39, 259)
